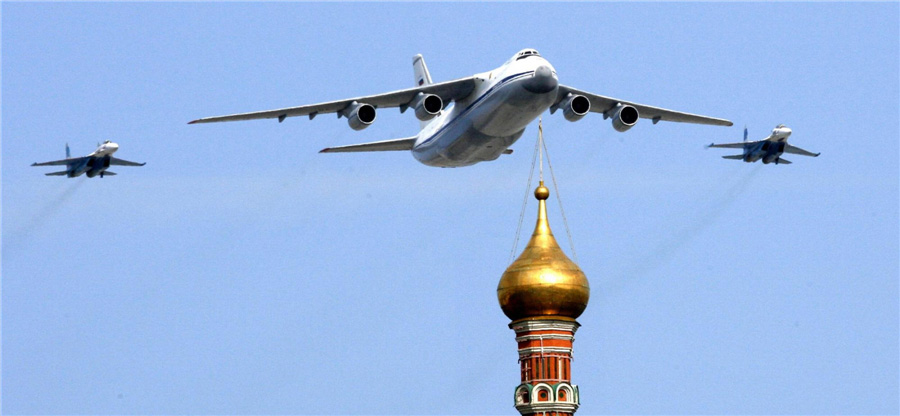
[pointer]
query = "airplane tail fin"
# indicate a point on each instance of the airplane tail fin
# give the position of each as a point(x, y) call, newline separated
point(423, 78)
point(735, 157)
point(745, 133)
point(68, 154)
point(421, 71)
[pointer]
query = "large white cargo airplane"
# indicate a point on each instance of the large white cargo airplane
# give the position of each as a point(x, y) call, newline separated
point(769, 149)
point(490, 113)
point(92, 165)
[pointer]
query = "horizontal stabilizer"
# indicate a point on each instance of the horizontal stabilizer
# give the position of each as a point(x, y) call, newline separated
point(384, 145)
point(781, 161)
point(108, 173)
point(735, 157)
point(60, 173)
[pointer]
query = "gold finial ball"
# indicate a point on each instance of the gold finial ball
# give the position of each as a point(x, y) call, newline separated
point(542, 193)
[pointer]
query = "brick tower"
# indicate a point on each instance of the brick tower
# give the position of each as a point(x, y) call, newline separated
point(542, 292)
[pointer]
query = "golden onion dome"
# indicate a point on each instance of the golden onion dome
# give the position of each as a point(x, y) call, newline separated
point(543, 281)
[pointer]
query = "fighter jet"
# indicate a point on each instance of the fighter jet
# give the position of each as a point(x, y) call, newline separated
point(92, 165)
point(488, 113)
point(768, 149)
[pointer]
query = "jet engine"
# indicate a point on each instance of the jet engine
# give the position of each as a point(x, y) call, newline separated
point(427, 106)
point(623, 117)
point(574, 107)
point(359, 115)
point(98, 165)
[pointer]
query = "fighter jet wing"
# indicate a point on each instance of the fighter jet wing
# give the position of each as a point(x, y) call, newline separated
point(122, 162)
point(62, 162)
point(729, 145)
point(448, 91)
point(798, 151)
point(601, 104)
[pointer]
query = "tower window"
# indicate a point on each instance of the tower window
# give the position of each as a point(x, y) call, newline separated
point(543, 396)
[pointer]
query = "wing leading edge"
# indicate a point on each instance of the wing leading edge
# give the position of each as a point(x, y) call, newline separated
point(448, 91)
point(729, 145)
point(601, 104)
point(62, 162)
point(798, 151)
point(122, 162)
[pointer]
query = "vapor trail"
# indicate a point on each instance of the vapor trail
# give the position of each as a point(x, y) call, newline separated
point(43, 215)
point(666, 249)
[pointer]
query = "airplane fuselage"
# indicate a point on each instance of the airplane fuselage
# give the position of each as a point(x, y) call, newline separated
point(95, 163)
point(769, 149)
point(484, 125)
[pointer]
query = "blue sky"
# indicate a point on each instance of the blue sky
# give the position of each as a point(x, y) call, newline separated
point(242, 272)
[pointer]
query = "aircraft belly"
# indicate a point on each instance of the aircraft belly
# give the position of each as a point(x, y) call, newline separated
point(487, 130)
point(510, 111)
point(465, 148)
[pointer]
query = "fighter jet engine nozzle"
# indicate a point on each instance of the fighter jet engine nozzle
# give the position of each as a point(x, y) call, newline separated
point(359, 115)
point(575, 107)
point(427, 106)
point(623, 117)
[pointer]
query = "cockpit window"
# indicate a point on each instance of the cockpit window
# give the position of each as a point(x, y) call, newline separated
point(526, 53)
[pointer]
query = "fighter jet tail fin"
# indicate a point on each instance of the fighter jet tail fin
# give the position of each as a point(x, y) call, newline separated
point(60, 173)
point(735, 157)
point(781, 161)
point(68, 154)
point(745, 133)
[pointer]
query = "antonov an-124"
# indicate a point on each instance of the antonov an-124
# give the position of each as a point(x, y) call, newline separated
point(489, 112)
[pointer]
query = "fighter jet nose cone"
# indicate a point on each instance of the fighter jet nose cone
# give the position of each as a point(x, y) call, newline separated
point(542, 81)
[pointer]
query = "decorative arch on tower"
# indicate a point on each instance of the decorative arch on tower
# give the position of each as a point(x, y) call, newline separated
point(523, 394)
point(565, 393)
point(542, 393)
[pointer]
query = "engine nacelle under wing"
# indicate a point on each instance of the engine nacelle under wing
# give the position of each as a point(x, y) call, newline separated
point(427, 106)
point(574, 107)
point(359, 115)
point(623, 117)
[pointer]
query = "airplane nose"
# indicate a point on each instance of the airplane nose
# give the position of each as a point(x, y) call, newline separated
point(542, 81)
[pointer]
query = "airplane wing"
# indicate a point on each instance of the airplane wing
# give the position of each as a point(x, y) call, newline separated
point(601, 104)
point(384, 145)
point(729, 145)
point(122, 162)
point(798, 151)
point(62, 162)
point(448, 91)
